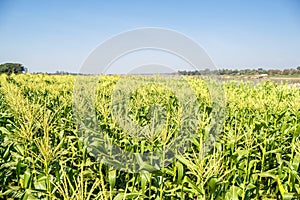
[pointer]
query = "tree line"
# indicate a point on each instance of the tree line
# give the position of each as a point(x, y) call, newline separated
point(247, 72)
point(18, 68)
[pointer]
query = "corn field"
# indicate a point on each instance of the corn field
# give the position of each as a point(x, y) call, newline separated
point(43, 155)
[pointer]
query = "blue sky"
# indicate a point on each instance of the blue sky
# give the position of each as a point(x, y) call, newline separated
point(59, 35)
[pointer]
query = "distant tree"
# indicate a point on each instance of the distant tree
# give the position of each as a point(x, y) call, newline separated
point(298, 70)
point(277, 72)
point(272, 72)
point(286, 72)
point(10, 68)
point(293, 71)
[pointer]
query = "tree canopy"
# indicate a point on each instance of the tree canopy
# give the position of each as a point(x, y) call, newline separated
point(10, 68)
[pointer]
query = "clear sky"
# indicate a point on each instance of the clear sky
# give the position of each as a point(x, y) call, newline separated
point(59, 35)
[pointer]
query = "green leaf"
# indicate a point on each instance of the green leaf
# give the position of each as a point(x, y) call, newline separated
point(122, 196)
point(180, 172)
point(267, 174)
point(27, 178)
point(212, 183)
point(112, 176)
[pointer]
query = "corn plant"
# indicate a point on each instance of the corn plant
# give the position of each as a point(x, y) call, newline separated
point(44, 155)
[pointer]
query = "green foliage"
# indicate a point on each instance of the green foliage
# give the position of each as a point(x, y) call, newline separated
point(10, 68)
point(42, 156)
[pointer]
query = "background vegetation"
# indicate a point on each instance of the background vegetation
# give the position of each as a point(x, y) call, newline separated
point(10, 68)
point(246, 72)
